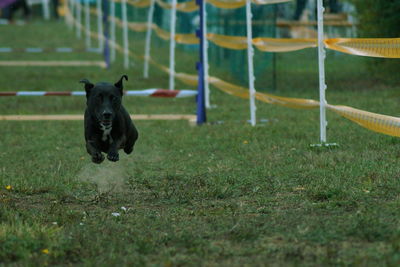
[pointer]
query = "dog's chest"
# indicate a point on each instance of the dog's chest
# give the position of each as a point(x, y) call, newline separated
point(106, 134)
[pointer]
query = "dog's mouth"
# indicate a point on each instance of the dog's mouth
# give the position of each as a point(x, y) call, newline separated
point(106, 123)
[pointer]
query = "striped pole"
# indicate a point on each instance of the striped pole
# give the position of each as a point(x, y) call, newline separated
point(44, 50)
point(154, 92)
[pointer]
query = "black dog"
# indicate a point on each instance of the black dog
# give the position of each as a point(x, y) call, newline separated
point(108, 126)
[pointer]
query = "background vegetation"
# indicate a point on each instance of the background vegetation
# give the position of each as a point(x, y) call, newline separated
point(379, 19)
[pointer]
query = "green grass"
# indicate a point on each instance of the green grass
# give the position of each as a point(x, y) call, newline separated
point(223, 194)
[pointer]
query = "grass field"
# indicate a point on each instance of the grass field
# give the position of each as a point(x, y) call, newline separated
point(222, 194)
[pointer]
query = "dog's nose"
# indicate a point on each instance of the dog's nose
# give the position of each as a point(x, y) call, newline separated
point(107, 115)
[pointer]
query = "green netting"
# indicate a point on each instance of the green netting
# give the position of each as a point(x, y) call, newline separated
point(233, 22)
point(224, 63)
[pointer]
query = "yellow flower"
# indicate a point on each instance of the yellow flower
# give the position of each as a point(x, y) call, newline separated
point(45, 251)
point(8, 187)
point(245, 142)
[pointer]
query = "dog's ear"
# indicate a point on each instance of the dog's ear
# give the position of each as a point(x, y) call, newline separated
point(119, 84)
point(88, 85)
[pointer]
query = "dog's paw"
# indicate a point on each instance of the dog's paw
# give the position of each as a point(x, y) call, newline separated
point(113, 156)
point(98, 158)
point(128, 150)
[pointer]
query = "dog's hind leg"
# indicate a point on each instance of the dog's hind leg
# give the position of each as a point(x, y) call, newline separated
point(131, 140)
point(97, 157)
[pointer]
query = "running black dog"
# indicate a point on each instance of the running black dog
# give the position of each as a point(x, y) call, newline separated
point(108, 126)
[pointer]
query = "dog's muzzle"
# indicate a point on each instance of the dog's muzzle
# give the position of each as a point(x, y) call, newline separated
point(106, 123)
point(106, 120)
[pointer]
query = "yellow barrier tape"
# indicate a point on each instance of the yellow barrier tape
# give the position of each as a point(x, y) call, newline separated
point(137, 26)
point(231, 4)
point(163, 4)
point(187, 6)
point(262, 44)
point(161, 33)
point(139, 3)
point(181, 38)
point(191, 6)
point(243, 92)
point(269, 2)
point(283, 44)
point(232, 42)
point(186, 38)
point(375, 122)
point(183, 7)
point(91, 10)
point(136, 3)
point(371, 47)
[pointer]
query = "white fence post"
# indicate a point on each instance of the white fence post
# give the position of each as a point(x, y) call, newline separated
point(250, 54)
point(68, 16)
point(87, 24)
point(79, 20)
point(148, 40)
point(100, 25)
point(172, 47)
point(125, 34)
point(321, 66)
point(45, 7)
point(205, 57)
point(113, 39)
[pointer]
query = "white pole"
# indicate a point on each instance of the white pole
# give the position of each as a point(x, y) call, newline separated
point(250, 54)
point(87, 24)
point(79, 19)
point(112, 15)
point(172, 47)
point(205, 57)
point(67, 16)
point(148, 40)
point(46, 11)
point(125, 34)
point(100, 25)
point(321, 65)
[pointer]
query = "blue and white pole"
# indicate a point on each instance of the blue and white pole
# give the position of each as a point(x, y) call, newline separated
point(201, 108)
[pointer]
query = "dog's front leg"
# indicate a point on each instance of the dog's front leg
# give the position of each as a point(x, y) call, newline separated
point(112, 154)
point(97, 157)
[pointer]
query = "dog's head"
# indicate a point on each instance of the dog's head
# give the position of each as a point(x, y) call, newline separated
point(104, 100)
